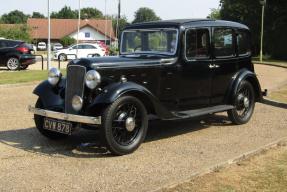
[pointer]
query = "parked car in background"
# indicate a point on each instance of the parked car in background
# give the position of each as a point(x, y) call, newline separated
point(42, 46)
point(15, 55)
point(170, 69)
point(57, 46)
point(84, 50)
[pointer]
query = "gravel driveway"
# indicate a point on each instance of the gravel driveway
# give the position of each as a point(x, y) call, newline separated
point(172, 151)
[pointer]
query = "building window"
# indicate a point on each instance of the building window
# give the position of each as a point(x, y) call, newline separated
point(87, 34)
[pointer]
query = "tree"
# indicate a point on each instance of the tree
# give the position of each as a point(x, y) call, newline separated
point(14, 17)
point(91, 13)
point(65, 13)
point(37, 15)
point(20, 32)
point(214, 14)
point(145, 14)
point(66, 41)
point(249, 13)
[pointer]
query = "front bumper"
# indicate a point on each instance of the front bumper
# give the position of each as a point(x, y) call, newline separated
point(66, 117)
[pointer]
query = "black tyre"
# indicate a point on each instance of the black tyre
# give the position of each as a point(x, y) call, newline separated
point(63, 57)
point(125, 124)
point(24, 67)
point(13, 64)
point(244, 102)
point(39, 121)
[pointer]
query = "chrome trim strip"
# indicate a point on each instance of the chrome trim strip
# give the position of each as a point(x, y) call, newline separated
point(65, 117)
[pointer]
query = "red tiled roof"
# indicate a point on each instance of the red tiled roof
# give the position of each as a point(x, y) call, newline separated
point(64, 27)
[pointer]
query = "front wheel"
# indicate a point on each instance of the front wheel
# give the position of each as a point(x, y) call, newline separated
point(63, 57)
point(125, 124)
point(244, 103)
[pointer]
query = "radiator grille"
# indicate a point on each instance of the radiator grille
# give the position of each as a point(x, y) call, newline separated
point(75, 86)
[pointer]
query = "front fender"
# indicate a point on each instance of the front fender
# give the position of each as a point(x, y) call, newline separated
point(114, 91)
point(49, 95)
point(242, 75)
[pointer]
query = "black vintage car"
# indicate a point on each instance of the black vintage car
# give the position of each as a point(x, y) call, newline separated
point(171, 69)
point(15, 55)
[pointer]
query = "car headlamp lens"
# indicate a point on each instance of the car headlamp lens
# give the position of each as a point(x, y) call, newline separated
point(54, 76)
point(93, 79)
point(77, 103)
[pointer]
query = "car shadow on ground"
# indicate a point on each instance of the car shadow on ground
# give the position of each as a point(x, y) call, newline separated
point(274, 103)
point(85, 144)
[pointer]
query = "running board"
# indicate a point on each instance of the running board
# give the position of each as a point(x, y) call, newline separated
point(203, 111)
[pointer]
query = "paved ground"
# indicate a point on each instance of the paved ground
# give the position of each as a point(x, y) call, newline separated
point(171, 153)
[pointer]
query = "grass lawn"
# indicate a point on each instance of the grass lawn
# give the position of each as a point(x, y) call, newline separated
point(23, 76)
point(265, 172)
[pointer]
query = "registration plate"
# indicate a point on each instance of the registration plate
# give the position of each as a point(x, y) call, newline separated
point(58, 126)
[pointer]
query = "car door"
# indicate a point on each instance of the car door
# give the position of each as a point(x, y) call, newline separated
point(195, 73)
point(225, 62)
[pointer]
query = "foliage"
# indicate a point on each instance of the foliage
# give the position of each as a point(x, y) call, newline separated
point(66, 41)
point(214, 14)
point(145, 14)
point(123, 22)
point(14, 17)
point(65, 13)
point(20, 32)
point(91, 13)
point(37, 15)
point(249, 13)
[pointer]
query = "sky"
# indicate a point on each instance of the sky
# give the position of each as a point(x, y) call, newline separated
point(166, 9)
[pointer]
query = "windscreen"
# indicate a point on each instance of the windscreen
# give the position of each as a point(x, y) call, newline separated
point(157, 41)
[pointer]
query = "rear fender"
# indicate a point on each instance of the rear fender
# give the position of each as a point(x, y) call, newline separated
point(116, 90)
point(242, 75)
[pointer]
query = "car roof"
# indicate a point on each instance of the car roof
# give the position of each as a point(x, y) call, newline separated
point(187, 23)
point(9, 40)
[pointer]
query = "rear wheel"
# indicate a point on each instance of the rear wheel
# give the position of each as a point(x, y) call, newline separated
point(63, 57)
point(23, 67)
point(244, 103)
point(39, 121)
point(125, 124)
point(13, 64)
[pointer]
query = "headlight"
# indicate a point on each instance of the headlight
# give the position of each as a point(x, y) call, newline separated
point(77, 103)
point(93, 79)
point(54, 76)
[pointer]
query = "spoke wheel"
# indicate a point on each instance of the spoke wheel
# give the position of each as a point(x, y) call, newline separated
point(13, 64)
point(125, 124)
point(244, 103)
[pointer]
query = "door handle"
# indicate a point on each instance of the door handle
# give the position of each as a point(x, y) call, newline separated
point(213, 66)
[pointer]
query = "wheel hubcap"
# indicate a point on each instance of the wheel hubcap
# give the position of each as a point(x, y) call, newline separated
point(246, 102)
point(243, 102)
point(130, 124)
point(13, 63)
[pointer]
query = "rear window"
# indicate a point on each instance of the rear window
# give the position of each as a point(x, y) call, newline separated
point(223, 42)
point(243, 43)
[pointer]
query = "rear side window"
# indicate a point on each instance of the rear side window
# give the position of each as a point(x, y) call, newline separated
point(197, 44)
point(243, 44)
point(2, 44)
point(223, 42)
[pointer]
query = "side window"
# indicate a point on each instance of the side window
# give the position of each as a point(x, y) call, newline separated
point(2, 44)
point(197, 44)
point(223, 43)
point(243, 44)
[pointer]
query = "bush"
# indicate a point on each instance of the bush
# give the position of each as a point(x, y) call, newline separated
point(67, 41)
point(16, 33)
